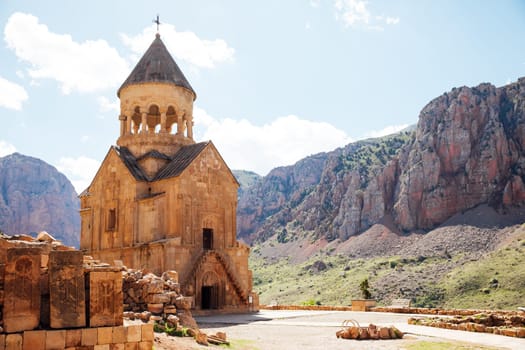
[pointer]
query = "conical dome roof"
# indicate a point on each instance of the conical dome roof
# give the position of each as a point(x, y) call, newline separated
point(157, 65)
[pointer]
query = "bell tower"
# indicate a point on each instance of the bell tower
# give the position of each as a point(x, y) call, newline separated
point(156, 105)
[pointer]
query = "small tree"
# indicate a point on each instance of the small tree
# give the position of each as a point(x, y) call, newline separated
point(365, 292)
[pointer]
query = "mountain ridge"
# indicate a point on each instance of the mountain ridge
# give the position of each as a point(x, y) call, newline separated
point(34, 197)
point(467, 150)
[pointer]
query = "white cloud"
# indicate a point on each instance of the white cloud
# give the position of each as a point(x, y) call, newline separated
point(352, 12)
point(6, 148)
point(356, 13)
point(283, 141)
point(80, 171)
point(388, 130)
point(392, 20)
point(315, 3)
point(108, 106)
point(12, 95)
point(184, 45)
point(84, 67)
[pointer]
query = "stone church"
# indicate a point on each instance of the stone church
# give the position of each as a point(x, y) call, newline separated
point(160, 201)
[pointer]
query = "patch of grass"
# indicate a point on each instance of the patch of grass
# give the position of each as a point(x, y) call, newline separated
point(473, 286)
point(241, 344)
point(493, 281)
point(434, 345)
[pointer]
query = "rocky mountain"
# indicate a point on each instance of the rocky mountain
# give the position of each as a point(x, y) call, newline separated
point(468, 149)
point(246, 178)
point(35, 197)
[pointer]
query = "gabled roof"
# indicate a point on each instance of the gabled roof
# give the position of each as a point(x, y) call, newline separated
point(131, 163)
point(154, 154)
point(157, 65)
point(181, 160)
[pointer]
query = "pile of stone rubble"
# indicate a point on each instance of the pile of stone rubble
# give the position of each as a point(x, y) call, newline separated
point(352, 330)
point(151, 298)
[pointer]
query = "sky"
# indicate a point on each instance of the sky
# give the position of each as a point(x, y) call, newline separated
point(276, 80)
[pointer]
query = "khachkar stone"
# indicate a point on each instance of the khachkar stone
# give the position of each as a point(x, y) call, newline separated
point(105, 298)
point(67, 289)
point(22, 289)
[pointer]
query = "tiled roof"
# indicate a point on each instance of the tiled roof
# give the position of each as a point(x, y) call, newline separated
point(131, 163)
point(181, 160)
point(157, 65)
point(154, 154)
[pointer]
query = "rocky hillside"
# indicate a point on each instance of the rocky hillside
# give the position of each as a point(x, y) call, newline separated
point(468, 149)
point(35, 197)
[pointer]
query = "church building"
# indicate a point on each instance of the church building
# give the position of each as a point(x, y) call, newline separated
point(160, 201)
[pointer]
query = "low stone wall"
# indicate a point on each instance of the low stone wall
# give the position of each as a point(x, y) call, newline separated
point(438, 311)
point(101, 338)
point(306, 307)
point(511, 324)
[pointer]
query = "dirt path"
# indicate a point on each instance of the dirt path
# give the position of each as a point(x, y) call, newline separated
point(305, 330)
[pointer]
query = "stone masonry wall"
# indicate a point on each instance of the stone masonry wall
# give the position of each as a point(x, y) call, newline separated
point(52, 297)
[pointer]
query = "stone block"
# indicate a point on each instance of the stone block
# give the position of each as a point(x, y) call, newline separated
point(105, 299)
point(105, 335)
point(66, 289)
point(161, 298)
point(73, 338)
point(55, 340)
point(2, 341)
point(118, 346)
point(101, 347)
point(156, 286)
point(156, 308)
point(131, 346)
point(170, 275)
point(34, 340)
point(89, 336)
point(134, 333)
point(146, 345)
point(22, 290)
point(147, 332)
point(14, 341)
point(119, 334)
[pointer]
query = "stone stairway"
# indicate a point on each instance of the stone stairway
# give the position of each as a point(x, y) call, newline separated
point(230, 271)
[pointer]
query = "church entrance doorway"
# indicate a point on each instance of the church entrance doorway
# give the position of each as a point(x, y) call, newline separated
point(210, 291)
point(209, 297)
point(207, 239)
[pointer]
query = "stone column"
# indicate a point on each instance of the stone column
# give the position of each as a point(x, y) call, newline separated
point(189, 125)
point(66, 289)
point(180, 124)
point(144, 123)
point(22, 289)
point(163, 128)
point(129, 122)
point(122, 119)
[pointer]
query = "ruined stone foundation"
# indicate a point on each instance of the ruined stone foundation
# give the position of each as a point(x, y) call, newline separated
point(51, 299)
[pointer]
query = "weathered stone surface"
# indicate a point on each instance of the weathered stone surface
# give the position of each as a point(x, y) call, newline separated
point(134, 333)
point(89, 336)
point(73, 338)
point(56, 339)
point(22, 289)
point(66, 289)
point(13, 341)
point(105, 299)
point(34, 340)
point(147, 332)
